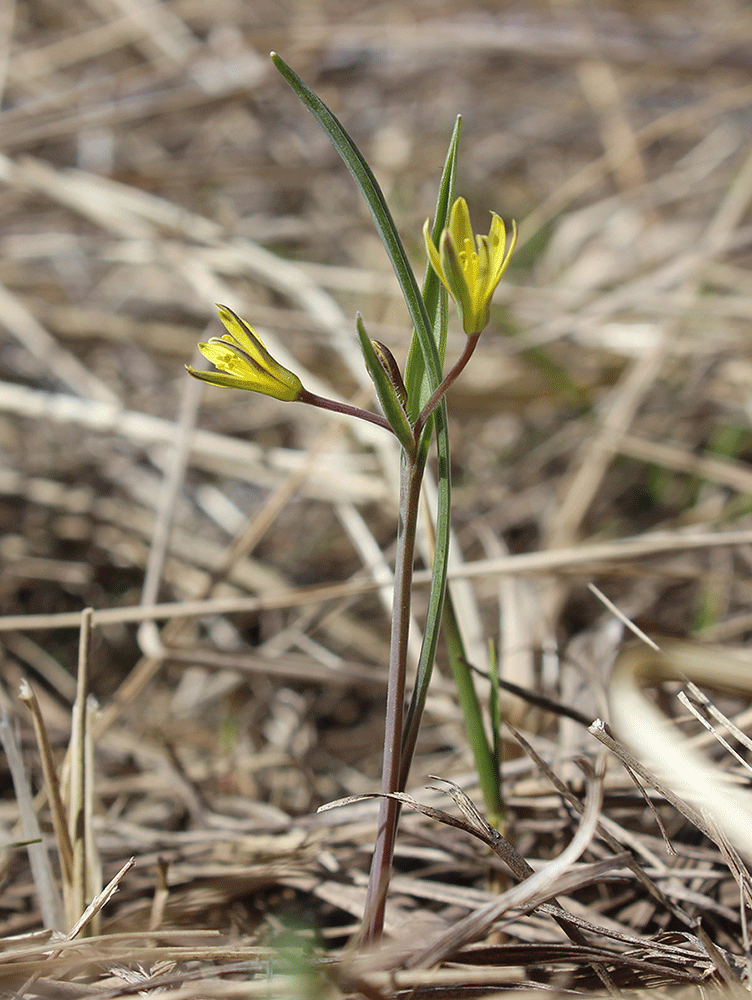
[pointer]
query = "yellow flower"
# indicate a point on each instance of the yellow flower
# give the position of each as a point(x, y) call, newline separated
point(470, 267)
point(245, 363)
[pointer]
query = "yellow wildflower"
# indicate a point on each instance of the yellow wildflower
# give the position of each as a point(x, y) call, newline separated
point(245, 363)
point(469, 266)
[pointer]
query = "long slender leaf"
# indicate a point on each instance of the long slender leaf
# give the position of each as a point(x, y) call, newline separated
point(417, 382)
point(486, 763)
point(441, 611)
point(382, 217)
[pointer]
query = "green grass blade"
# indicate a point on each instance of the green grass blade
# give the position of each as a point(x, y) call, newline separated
point(485, 763)
point(417, 381)
point(440, 607)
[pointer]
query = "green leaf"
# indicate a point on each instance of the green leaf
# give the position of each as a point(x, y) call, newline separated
point(382, 217)
point(419, 389)
point(417, 381)
point(483, 755)
point(441, 611)
point(494, 711)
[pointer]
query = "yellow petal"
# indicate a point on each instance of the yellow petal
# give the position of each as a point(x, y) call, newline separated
point(434, 257)
point(225, 358)
point(459, 224)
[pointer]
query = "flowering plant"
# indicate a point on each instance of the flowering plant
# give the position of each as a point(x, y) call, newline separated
point(468, 268)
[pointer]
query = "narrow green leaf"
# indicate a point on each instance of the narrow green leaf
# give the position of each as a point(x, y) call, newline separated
point(382, 217)
point(418, 383)
point(440, 607)
point(419, 388)
point(485, 764)
point(494, 710)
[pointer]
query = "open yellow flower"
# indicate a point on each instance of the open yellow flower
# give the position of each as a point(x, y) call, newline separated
point(470, 267)
point(244, 362)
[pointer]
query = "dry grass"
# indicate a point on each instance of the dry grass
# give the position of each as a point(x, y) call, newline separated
point(236, 551)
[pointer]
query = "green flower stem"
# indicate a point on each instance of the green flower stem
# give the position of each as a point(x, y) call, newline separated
point(335, 407)
point(437, 591)
point(436, 397)
point(410, 481)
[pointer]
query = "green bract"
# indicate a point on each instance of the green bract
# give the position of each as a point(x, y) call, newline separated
point(390, 388)
point(244, 362)
point(469, 266)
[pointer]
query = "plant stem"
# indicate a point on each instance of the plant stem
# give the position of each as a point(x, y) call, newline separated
point(378, 884)
point(437, 591)
point(335, 407)
point(439, 393)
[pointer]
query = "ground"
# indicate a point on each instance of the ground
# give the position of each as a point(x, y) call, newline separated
point(154, 163)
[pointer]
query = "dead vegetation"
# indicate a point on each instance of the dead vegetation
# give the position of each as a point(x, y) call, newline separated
point(236, 551)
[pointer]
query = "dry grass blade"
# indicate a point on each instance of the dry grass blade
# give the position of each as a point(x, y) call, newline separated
point(684, 699)
point(52, 786)
point(536, 562)
point(536, 889)
point(100, 900)
point(687, 775)
point(632, 765)
point(80, 791)
point(50, 906)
